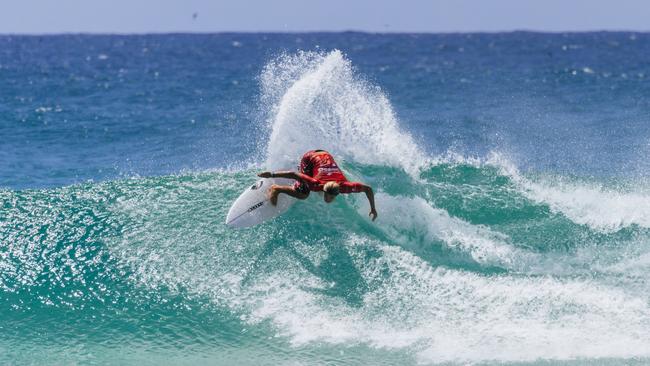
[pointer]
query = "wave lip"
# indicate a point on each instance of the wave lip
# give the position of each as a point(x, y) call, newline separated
point(594, 205)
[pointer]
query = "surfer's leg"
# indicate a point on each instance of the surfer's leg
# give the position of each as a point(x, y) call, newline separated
point(275, 191)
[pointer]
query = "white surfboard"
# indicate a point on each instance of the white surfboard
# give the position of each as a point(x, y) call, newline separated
point(253, 206)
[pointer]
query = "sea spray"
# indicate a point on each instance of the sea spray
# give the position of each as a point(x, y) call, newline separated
point(315, 100)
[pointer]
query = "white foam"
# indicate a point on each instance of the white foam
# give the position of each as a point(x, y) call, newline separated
point(591, 204)
point(439, 315)
point(455, 316)
point(316, 101)
point(414, 220)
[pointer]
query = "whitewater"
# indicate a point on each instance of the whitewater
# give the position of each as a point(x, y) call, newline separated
point(474, 259)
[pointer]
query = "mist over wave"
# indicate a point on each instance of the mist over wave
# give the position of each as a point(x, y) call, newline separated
point(316, 99)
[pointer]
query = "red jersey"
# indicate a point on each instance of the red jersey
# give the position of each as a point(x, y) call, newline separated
point(318, 167)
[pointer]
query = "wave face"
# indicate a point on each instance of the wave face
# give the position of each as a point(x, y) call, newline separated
point(474, 259)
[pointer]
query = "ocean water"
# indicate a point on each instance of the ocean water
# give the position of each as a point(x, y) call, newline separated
point(511, 178)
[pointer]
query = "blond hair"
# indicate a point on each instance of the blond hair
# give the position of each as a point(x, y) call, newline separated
point(331, 188)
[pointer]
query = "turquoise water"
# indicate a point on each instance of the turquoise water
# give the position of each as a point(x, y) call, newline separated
point(506, 233)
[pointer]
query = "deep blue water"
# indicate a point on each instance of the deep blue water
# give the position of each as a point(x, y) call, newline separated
point(81, 107)
point(511, 173)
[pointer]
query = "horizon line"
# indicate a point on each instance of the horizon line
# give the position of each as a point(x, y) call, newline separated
point(276, 32)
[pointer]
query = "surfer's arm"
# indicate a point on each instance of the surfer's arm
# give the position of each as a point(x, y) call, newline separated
point(289, 175)
point(358, 187)
point(371, 199)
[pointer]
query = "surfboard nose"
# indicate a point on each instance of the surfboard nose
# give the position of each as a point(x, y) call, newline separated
point(252, 207)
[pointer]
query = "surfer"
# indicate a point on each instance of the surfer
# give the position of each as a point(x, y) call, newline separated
point(320, 173)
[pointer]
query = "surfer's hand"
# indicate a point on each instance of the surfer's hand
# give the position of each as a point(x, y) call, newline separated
point(265, 175)
point(373, 214)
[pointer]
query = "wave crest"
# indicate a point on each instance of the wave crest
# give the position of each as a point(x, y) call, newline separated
point(316, 100)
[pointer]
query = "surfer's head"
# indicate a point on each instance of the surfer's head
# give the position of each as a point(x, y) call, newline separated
point(331, 190)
